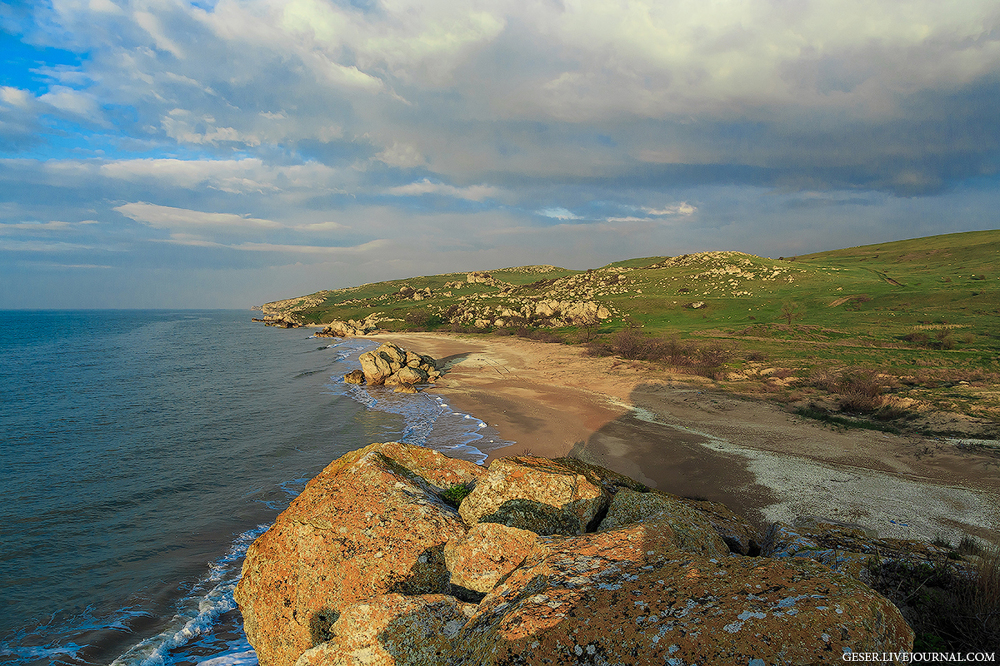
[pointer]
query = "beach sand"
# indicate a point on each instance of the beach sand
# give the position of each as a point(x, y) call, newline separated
point(674, 433)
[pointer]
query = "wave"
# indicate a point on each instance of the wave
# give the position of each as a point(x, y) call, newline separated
point(198, 614)
point(428, 419)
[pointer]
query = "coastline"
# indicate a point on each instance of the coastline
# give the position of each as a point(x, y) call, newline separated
point(674, 433)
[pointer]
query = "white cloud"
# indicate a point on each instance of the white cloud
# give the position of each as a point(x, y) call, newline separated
point(168, 217)
point(558, 213)
point(329, 225)
point(151, 24)
point(72, 101)
point(629, 219)
point(244, 176)
point(15, 97)
point(683, 208)
point(35, 226)
point(182, 239)
point(402, 155)
point(40, 246)
point(426, 186)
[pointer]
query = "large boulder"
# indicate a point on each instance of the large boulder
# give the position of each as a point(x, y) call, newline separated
point(535, 494)
point(628, 596)
point(371, 523)
point(484, 556)
point(392, 365)
point(692, 531)
point(393, 630)
point(629, 506)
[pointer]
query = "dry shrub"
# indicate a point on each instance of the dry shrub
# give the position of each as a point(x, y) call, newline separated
point(950, 608)
point(985, 597)
point(860, 391)
point(630, 344)
point(824, 379)
point(943, 339)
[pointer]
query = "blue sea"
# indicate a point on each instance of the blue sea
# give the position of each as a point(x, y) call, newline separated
point(143, 451)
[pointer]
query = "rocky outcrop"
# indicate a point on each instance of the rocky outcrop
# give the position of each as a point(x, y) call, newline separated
point(844, 547)
point(484, 556)
point(346, 329)
point(280, 321)
point(371, 523)
point(392, 365)
point(628, 597)
point(393, 629)
point(534, 494)
point(544, 562)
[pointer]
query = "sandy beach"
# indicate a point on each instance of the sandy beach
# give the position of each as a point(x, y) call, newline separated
point(674, 433)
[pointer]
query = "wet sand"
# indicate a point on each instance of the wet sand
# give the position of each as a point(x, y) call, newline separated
point(674, 433)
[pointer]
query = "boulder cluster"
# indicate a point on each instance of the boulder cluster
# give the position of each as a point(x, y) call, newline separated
point(543, 562)
point(349, 328)
point(280, 321)
point(391, 365)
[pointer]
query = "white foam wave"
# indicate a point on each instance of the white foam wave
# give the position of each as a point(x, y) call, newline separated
point(428, 420)
point(198, 612)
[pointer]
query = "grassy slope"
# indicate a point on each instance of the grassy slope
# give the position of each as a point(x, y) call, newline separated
point(925, 312)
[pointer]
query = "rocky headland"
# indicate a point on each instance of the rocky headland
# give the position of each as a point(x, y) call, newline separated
point(396, 554)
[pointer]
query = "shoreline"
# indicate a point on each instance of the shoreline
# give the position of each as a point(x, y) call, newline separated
point(675, 433)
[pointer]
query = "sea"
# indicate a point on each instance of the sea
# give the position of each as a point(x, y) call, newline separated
point(144, 450)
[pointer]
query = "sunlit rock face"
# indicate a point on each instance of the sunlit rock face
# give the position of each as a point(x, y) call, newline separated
point(371, 523)
point(544, 562)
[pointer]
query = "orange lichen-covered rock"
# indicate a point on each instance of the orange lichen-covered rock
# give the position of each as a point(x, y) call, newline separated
point(490, 551)
point(629, 597)
point(692, 531)
point(741, 537)
point(393, 630)
point(369, 524)
point(534, 494)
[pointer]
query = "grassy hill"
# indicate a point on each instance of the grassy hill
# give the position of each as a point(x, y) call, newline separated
point(913, 323)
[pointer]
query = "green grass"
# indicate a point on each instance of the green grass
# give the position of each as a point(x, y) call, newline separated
point(923, 312)
point(454, 495)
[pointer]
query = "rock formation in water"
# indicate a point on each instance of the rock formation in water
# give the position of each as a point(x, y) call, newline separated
point(544, 562)
point(392, 365)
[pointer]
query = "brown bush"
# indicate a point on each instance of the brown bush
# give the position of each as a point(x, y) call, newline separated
point(860, 391)
point(630, 344)
point(951, 609)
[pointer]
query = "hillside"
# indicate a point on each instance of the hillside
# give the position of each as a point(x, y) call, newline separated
point(897, 330)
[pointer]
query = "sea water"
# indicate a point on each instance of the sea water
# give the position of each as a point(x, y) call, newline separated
point(143, 451)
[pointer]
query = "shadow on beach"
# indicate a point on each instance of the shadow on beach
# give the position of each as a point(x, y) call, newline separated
point(674, 460)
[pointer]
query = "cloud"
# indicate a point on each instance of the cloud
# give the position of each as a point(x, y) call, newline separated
point(683, 208)
point(401, 155)
point(558, 213)
point(182, 239)
point(426, 186)
point(34, 226)
point(168, 217)
point(40, 246)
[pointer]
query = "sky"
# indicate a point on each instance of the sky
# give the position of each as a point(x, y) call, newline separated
point(226, 153)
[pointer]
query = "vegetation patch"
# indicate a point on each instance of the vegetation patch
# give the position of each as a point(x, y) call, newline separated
point(863, 424)
point(454, 495)
point(953, 605)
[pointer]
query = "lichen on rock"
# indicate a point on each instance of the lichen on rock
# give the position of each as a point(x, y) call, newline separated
point(545, 562)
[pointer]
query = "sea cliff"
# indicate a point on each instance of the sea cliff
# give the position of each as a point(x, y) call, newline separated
point(381, 560)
